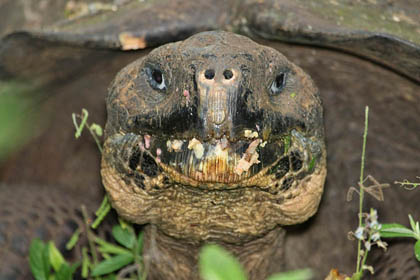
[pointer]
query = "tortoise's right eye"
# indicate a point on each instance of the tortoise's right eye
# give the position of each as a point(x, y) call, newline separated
point(278, 84)
point(156, 79)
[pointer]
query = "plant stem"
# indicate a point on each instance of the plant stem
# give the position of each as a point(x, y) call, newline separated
point(101, 214)
point(79, 128)
point(90, 237)
point(363, 261)
point(83, 123)
point(361, 195)
point(98, 143)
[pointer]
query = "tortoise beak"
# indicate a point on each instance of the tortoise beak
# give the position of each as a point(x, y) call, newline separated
point(218, 91)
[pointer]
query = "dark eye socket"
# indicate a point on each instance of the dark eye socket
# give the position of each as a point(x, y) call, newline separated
point(279, 83)
point(156, 78)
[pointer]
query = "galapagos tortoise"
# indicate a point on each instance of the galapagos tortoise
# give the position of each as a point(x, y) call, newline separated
point(357, 54)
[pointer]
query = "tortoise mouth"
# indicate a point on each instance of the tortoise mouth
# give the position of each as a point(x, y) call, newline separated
point(155, 163)
point(219, 161)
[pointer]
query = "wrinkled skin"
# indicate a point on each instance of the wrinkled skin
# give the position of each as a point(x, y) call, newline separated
point(214, 138)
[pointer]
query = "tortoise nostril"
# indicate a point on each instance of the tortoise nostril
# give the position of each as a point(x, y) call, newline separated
point(228, 74)
point(209, 74)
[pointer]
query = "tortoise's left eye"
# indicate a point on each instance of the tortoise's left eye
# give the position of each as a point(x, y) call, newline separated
point(278, 84)
point(156, 79)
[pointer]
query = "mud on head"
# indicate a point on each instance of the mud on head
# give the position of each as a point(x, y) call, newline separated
point(215, 137)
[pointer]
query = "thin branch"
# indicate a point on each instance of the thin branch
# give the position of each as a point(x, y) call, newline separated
point(408, 185)
point(90, 237)
point(361, 197)
point(127, 270)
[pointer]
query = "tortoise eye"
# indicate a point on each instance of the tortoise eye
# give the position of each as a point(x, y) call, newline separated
point(278, 84)
point(156, 79)
point(157, 76)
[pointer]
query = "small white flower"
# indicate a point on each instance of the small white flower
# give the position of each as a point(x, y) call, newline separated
point(376, 236)
point(359, 233)
point(373, 215)
point(382, 244)
point(373, 224)
point(368, 267)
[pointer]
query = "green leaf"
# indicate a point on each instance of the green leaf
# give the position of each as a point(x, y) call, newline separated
point(97, 129)
point(139, 248)
point(110, 277)
point(106, 247)
point(102, 206)
point(85, 263)
point(395, 230)
point(312, 164)
point(124, 224)
point(101, 214)
point(302, 274)
point(415, 226)
point(112, 264)
point(66, 271)
point(74, 267)
point(286, 142)
point(417, 250)
point(412, 222)
point(73, 240)
point(55, 257)
point(38, 260)
point(215, 263)
point(124, 236)
point(79, 128)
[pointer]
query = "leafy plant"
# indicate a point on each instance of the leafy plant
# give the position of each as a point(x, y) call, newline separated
point(47, 263)
point(215, 263)
point(124, 257)
point(100, 259)
point(397, 230)
point(370, 231)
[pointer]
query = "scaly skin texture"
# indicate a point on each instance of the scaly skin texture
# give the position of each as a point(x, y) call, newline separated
point(214, 138)
point(170, 258)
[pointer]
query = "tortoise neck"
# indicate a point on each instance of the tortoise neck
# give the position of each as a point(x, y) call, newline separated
point(168, 258)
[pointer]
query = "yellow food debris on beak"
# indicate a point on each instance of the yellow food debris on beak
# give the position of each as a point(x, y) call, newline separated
point(197, 147)
point(174, 145)
point(250, 134)
point(249, 158)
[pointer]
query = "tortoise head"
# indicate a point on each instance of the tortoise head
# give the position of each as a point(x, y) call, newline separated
point(215, 137)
